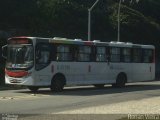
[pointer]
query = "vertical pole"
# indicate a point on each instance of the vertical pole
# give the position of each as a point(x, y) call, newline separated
point(119, 10)
point(89, 20)
point(89, 24)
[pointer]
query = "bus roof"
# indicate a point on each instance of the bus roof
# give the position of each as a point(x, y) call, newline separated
point(98, 43)
point(81, 42)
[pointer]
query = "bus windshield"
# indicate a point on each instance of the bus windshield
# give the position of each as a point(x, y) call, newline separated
point(20, 56)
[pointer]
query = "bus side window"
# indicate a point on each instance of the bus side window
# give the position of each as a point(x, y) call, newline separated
point(64, 53)
point(126, 55)
point(137, 55)
point(115, 54)
point(147, 56)
point(84, 53)
point(101, 54)
point(42, 56)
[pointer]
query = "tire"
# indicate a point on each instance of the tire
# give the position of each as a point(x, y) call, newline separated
point(33, 88)
point(57, 84)
point(120, 81)
point(99, 85)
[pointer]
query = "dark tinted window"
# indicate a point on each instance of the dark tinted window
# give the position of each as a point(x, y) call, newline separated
point(64, 53)
point(126, 55)
point(101, 55)
point(115, 54)
point(84, 53)
point(147, 56)
point(137, 55)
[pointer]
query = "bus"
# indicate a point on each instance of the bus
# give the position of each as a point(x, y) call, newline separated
point(57, 62)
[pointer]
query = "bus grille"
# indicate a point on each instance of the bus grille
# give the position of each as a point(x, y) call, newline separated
point(15, 81)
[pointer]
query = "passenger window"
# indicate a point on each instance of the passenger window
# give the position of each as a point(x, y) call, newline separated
point(148, 56)
point(126, 55)
point(115, 54)
point(43, 56)
point(137, 55)
point(101, 54)
point(64, 53)
point(84, 53)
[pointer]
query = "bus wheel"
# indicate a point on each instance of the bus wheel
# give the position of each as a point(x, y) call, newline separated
point(120, 81)
point(99, 85)
point(33, 88)
point(57, 84)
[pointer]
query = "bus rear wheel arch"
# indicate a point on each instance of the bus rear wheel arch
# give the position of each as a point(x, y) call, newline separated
point(121, 80)
point(58, 82)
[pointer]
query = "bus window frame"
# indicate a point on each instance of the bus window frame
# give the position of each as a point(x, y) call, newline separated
point(123, 55)
point(107, 54)
point(151, 59)
point(91, 54)
point(117, 61)
point(71, 52)
point(39, 66)
point(141, 55)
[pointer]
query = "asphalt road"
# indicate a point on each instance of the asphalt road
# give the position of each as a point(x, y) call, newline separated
point(44, 102)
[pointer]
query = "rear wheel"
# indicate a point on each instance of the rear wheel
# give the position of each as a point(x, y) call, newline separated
point(33, 88)
point(120, 81)
point(57, 84)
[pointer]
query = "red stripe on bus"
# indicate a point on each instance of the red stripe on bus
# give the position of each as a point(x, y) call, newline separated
point(16, 74)
point(88, 43)
point(19, 37)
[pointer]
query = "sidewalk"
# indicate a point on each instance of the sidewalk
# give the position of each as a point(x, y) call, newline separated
point(144, 109)
point(143, 106)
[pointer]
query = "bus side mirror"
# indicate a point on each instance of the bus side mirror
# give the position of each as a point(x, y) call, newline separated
point(4, 51)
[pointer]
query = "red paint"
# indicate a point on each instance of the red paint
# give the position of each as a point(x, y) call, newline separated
point(16, 74)
point(22, 41)
point(19, 40)
point(88, 43)
point(19, 37)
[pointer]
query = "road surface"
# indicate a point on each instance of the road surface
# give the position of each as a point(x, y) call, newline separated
point(85, 101)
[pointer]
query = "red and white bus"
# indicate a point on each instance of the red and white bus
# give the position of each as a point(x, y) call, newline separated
point(55, 62)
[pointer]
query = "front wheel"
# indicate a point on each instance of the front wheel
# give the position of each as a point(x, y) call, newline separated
point(57, 84)
point(33, 88)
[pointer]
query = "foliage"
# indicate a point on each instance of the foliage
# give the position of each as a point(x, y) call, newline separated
point(69, 18)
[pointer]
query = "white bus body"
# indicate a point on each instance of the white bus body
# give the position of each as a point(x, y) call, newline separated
point(55, 62)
